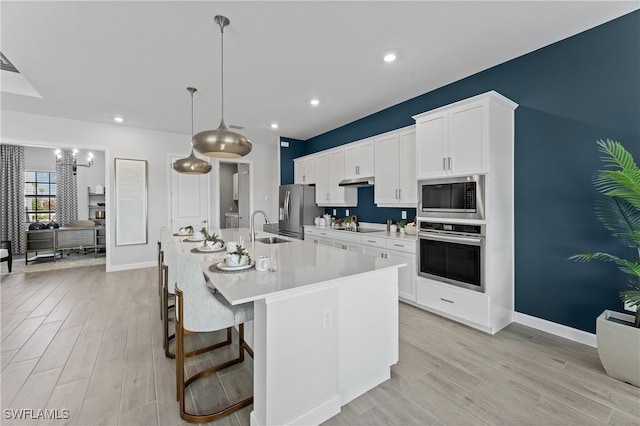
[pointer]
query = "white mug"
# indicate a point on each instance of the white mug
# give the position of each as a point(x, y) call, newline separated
point(231, 246)
point(262, 263)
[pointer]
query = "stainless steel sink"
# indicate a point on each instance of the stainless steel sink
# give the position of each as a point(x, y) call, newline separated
point(272, 240)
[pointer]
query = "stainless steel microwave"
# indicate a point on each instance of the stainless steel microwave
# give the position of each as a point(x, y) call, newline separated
point(456, 197)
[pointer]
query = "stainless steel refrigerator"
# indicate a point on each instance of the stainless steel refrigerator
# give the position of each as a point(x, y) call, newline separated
point(297, 207)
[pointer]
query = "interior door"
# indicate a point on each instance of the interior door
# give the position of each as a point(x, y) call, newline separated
point(189, 199)
point(243, 195)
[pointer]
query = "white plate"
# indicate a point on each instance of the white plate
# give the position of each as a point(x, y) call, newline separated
point(224, 267)
point(194, 240)
point(207, 250)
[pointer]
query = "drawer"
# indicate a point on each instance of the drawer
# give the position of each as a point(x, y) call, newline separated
point(401, 245)
point(461, 303)
point(368, 240)
point(346, 236)
point(324, 233)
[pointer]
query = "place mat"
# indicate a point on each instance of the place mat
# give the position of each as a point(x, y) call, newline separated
point(214, 268)
point(187, 240)
point(182, 235)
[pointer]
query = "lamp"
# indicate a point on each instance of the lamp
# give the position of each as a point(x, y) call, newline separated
point(192, 165)
point(74, 164)
point(222, 142)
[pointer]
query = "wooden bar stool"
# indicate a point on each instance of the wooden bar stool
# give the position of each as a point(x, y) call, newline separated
point(199, 310)
point(164, 233)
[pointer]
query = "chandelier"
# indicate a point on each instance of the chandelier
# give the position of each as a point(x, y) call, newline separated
point(74, 163)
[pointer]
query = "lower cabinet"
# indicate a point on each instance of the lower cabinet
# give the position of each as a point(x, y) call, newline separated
point(454, 302)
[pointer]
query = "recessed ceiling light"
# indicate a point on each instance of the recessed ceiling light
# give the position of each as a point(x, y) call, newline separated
point(118, 119)
point(314, 102)
point(274, 125)
point(390, 57)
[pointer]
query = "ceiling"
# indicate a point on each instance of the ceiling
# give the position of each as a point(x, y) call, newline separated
point(92, 61)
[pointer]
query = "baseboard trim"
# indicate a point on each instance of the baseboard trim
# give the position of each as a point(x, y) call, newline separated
point(556, 329)
point(128, 266)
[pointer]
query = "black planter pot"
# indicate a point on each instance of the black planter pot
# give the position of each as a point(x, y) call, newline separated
point(36, 226)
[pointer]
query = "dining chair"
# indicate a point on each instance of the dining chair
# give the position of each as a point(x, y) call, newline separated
point(199, 310)
point(5, 253)
point(164, 233)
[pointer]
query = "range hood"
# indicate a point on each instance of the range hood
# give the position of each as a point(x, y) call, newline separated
point(358, 182)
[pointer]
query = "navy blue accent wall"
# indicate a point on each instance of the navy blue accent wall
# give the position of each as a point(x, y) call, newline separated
point(295, 149)
point(571, 93)
point(368, 212)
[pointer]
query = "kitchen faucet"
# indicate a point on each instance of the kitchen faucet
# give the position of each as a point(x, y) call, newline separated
point(252, 229)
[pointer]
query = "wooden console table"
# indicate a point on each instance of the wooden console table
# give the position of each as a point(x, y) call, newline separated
point(52, 242)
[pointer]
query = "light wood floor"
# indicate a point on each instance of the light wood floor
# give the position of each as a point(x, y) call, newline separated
point(90, 342)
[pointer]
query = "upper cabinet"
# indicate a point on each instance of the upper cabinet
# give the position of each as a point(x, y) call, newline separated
point(329, 172)
point(359, 159)
point(395, 173)
point(454, 140)
point(304, 170)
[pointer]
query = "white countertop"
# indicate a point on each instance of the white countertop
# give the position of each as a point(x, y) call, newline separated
point(300, 265)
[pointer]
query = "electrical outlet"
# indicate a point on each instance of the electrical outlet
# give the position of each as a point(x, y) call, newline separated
point(327, 318)
point(335, 212)
point(404, 214)
point(346, 212)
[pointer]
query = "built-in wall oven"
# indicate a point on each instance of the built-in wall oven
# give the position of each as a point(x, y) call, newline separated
point(452, 253)
point(455, 197)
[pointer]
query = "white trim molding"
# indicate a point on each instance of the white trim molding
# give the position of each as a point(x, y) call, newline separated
point(556, 329)
point(128, 266)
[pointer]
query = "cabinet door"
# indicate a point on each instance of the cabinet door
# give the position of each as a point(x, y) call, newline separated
point(406, 275)
point(386, 170)
point(367, 158)
point(351, 161)
point(310, 171)
point(467, 141)
point(298, 171)
point(373, 251)
point(431, 145)
point(407, 182)
point(336, 174)
point(322, 179)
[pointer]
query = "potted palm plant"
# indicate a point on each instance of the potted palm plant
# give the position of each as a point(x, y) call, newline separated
point(618, 334)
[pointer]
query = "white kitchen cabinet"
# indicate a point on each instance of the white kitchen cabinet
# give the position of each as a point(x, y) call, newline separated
point(395, 172)
point(376, 252)
point(463, 305)
point(407, 275)
point(455, 140)
point(359, 159)
point(329, 172)
point(305, 170)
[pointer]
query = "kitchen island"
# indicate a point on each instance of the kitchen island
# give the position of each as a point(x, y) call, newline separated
point(325, 325)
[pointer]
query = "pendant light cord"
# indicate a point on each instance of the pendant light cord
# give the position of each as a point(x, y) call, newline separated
point(222, 71)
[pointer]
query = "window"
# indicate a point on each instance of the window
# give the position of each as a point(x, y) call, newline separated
point(40, 196)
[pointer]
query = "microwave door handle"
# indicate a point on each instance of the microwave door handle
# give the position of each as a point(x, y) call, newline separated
point(447, 239)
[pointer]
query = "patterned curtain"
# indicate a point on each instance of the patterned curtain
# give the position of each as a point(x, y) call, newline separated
point(12, 212)
point(67, 190)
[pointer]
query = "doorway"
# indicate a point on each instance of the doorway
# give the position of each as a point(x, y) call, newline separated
point(234, 190)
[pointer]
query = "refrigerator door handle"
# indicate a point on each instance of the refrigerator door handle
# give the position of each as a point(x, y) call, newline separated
point(287, 206)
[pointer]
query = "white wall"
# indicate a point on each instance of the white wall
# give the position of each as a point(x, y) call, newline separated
point(127, 142)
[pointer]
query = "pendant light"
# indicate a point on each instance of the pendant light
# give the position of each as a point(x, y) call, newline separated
point(222, 142)
point(192, 165)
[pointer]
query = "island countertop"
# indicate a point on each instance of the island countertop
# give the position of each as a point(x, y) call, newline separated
point(301, 266)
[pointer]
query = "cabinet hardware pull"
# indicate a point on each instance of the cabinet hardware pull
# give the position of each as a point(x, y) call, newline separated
point(399, 193)
point(398, 245)
point(447, 300)
point(450, 163)
point(396, 194)
point(444, 163)
point(369, 241)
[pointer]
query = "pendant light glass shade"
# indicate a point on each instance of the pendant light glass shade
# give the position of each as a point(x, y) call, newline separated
point(222, 142)
point(192, 165)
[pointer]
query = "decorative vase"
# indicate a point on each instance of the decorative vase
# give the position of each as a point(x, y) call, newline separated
point(235, 260)
point(619, 346)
